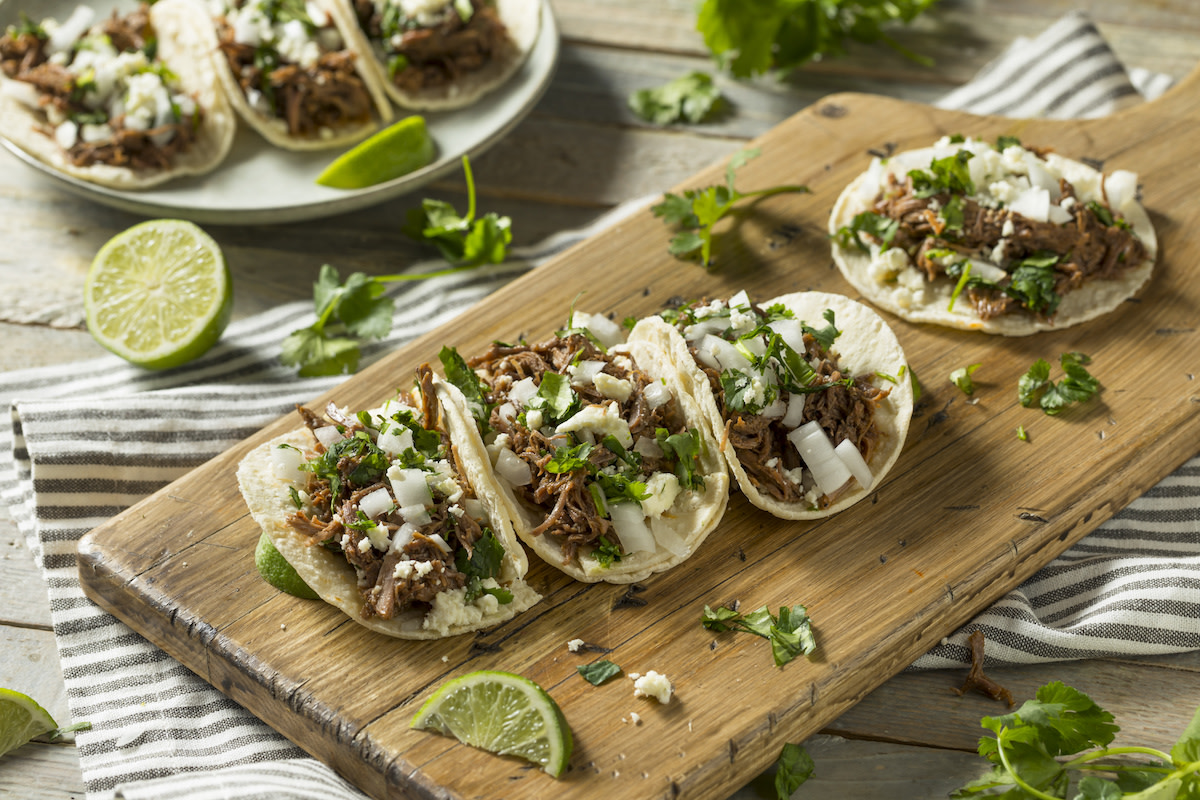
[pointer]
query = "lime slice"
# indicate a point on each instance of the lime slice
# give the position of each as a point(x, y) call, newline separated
point(158, 294)
point(275, 570)
point(502, 713)
point(21, 719)
point(396, 150)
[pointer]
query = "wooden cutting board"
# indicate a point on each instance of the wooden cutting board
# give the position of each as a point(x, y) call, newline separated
point(968, 512)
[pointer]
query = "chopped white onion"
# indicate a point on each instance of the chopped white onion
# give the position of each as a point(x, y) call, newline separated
point(647, 447)
point(1058, 215)
point(522, 391)
point(410, 488)
point(402, 537)
point(791, 331)
point(585, 372)
point(795, 411)
point(286, 462)
point(854, 462)
point(328, 435)
point(705, 326)
point(609, 333)
point(507, 412)
point(1033, 203)
point(630, 525)
point(474, 507)
point(666, 536)
point(415, 515)
point(73, 28)
point(776, 409)
point(740, 300)
point(819, 457)
point(1041, 177)
point(987, 270)
point(725, 355)
point(656, 394)
point(375, 503)
point(1120, 189)
point(437, 539)
point(394, 443)
point(512, 469)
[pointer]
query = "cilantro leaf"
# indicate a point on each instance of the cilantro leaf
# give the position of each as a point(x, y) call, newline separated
point(606, 552)
point(569, 459)
point(598, 672)
point(698, 210)
point(318, 355)
point(751, 37)
point(555, 398)
point(484, 560)
point(460, 374)
point(1033, 281)
point(690, 98)
point(949, 174)
point(880, 226)
point(1076, 386)
point(961, 378)
point(790, 633)
point(793, 767)
point(462, 240)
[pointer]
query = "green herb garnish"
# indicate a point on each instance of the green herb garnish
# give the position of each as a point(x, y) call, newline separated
point(598, 672)
point(690, 98)
point(793, 767)
point(463, 241)
point(949, 174)
point(1076, 386)
point(485, 559)
point(790, 633)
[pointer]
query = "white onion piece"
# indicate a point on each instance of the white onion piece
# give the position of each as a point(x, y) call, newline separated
point(726, 355)
point(740, 300)
point(608, 332)
point(328, 435)
point(375, 503)
point(668, 537)
point(1058, 215)
point(585, 372)
point(707, 358)
point(507, 411)
point(630, 525)
point(987, 270)
point(1033, 203)
point(874, 179)
point(402, 537)
point(287, 462)
point(410, 488)
point(777, 409)
point(691, 332)
point(474, 507)
point(656, 394)
point(522, 391)
point(818, 454)
point(1120, 188)
point(792, 332)
point(647, 447)
point(437, 539)
point(1041, 177)
point(854, 462)
point(415, 515)
point(795, 411)
point(75, 26)
point(510, 467)
point(394, 443)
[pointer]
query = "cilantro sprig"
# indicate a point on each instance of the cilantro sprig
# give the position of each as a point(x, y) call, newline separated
point(1076, 386)
point(698, 210)
point(357, 309)
point(790, 633)
point(484, 560)
point(689, 98)
point(1061, 738)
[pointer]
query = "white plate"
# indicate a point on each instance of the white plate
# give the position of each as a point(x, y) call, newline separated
point(258, 183)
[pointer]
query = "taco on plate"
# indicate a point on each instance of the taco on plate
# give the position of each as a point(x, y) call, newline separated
point(999, 238)
point(392, 515)
point(442, 54)
point(609, 470)
point(297, 73)
point(129, 101)
point(808, 394)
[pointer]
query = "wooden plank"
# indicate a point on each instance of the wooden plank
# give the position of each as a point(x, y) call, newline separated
point(733, 709)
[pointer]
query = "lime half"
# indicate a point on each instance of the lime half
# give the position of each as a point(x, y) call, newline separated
point(396, 150)
point(158, 294)
point(276, 570)
point(21, 719)
point(502, 713)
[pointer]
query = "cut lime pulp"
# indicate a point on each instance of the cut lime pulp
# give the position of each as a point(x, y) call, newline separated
point(21, 719)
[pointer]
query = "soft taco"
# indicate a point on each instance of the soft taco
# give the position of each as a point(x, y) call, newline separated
point(808, 394)
point(608, 467)
point(297, 72)
point(443, 54)
point(130, 101)
point(998, 238)
point(392, 515)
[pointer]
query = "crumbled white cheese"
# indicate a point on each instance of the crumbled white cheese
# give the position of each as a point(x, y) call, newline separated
point(663, 488)
point(575, 644)
point(612, 387)
point(534, 419)
point(601, 421)
point(652, 684)
point(412, 569)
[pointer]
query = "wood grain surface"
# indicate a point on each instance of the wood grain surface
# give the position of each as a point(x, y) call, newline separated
point(968, 512)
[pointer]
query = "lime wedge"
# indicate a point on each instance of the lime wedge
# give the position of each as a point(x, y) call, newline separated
point(21, 719)
point(276, 570)
point(502, 713)
point(158, 294)
point(396, 150)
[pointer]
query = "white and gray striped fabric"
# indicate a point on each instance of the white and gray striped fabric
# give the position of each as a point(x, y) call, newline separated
point(88, 440)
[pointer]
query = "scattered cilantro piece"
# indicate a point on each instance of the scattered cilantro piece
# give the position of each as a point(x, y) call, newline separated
point(555, 398)
point(460, 374)
point(463, 241)
point(961, 378)
point(698, 210)
point(606, 552)
point(1105, 215)
point(569, 459)
point(483, 561)
point(949, 174)
point(1005, 142)
point(1076, 385)
point(790, 633)
point(1062, 734)
point(598, 672)
point(690, 98)
point(793, 767)
point(753, 37)
point(1022, 434)
point(372, 463)
point(1033, 282)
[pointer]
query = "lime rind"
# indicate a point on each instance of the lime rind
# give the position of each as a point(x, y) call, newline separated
point(397, 150)
point(276, 570)
point(502, 713)
point(21, 719)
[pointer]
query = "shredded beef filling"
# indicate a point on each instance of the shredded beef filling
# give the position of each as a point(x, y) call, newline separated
point(440, 55)
point(570, 510)
point(1093, 250)
point(23, 57)
point(843, 412)
point(330, 95)
point(383, 594)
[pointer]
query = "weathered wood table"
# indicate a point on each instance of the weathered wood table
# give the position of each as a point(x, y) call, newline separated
point(578, 154)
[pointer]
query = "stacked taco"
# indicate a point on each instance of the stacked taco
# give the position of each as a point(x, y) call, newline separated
point(129, 101)
point(999, 237)
point(392, 515)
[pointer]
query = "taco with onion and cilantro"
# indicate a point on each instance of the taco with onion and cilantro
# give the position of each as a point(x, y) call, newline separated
point(609, 469)
point(128, 101)
point(808, 394)
point(444, 54)
point(999, 238)
point(392, 515)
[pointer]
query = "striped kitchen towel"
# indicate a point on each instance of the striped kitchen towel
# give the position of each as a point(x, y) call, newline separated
point(102, 435)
